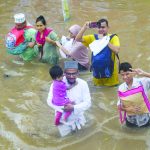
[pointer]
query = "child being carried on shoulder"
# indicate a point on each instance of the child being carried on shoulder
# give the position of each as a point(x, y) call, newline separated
point(59, 93)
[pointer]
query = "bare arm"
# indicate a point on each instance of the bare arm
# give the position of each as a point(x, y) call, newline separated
point(50, 41)
point(31, 44)
point(81, 32)
point(115, 49)
point(62, 48)
point(140, 72)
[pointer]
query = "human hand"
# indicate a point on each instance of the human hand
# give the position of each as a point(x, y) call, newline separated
point(39, 45)
point(69, 107)
point(31, 44)
point(138, 71)
point(86, 25)
point(47, 39)
point(58, 44)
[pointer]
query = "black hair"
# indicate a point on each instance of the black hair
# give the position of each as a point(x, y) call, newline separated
point(125, 66)
point(42, 19)
point(101, 21)
point(55, 72)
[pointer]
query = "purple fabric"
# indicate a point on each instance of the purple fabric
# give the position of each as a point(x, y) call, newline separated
point(122, 119)
point(130, 92)
point(45, 34)
point(59, 115)
point(57, 118)
point(59, 93)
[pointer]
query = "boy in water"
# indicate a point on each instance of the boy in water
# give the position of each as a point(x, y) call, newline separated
point(133, 96)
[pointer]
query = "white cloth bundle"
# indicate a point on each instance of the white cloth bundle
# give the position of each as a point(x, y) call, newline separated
point(67, 43)
point(98, 45)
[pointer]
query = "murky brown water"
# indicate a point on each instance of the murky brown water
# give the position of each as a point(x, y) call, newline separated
point(26, 122)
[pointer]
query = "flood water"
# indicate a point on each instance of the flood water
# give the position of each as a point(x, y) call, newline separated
point(26, 122)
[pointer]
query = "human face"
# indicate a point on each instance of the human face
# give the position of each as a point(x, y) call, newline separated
point(103, 29)
point(71, 75)
point(127, 76)
point(20, 25)
point(71, 35)
point(40, 26)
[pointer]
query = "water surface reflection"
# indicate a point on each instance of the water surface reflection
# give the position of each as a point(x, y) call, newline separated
point(26, 120)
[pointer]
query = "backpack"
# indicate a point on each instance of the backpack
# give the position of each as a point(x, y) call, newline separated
point(102, 64)
point(15, 37)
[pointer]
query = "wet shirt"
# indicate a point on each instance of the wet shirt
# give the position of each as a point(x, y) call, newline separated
point(114, 79)
point(80, 94)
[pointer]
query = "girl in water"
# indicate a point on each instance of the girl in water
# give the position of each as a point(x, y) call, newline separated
point(59, 93)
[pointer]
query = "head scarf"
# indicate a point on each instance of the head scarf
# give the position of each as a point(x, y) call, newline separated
point(75, 29)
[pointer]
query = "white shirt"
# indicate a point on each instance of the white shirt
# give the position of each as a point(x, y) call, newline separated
point(81, 96)
point(139, 120)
